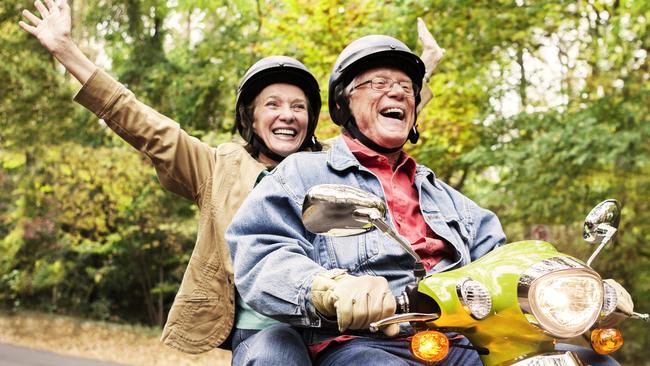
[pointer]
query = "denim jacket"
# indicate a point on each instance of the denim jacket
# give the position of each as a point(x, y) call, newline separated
point(275, 258)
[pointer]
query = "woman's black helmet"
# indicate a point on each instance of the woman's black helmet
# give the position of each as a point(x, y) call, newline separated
point(267, 71)
point(363, 54)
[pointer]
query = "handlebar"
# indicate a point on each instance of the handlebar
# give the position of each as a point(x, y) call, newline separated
point(640, 316)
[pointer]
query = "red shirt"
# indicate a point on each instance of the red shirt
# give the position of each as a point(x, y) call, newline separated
point(403, 201)
point(404, 206)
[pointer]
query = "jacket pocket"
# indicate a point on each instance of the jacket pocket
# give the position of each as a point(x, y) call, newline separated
point(199, 324)
point(459, 226)
point(351, 252)
point(453, 230)
point(460, 231)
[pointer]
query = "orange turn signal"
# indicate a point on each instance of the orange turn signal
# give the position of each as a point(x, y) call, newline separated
point(430, 345)
point(606, 340)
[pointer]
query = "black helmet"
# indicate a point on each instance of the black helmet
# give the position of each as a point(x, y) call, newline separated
point(267, 71)
point(363, 54)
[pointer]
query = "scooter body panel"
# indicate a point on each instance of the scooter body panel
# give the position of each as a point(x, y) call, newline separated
point(506, 331)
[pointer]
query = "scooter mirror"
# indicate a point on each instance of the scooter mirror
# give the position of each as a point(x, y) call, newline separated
point(604, 216)
point(339, 210)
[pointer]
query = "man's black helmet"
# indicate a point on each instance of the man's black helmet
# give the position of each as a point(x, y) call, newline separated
point(267, 71)
point(363, 54)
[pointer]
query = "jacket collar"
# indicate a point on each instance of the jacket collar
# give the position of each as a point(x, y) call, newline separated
point(341, 158)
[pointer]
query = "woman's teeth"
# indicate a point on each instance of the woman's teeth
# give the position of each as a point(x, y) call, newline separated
point(284, 132)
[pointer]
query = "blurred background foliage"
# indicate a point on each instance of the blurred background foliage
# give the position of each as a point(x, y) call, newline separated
point(540, 111)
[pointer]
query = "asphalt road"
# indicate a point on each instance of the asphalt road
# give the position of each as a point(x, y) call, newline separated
point(22, 356)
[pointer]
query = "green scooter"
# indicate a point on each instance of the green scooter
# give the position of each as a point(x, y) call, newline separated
point(513, 304)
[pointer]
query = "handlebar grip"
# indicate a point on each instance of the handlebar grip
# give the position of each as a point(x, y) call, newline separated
point(402, 304)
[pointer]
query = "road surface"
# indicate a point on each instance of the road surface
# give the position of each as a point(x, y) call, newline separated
point(22, 356)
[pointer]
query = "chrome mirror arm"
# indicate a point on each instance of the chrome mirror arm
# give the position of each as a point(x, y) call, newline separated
point(607, 231)
point(377, 221)
point(383, 226)
point(338, 210)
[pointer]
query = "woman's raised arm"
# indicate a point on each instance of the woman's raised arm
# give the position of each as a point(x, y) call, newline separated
point(431, 55)
point(52, 29)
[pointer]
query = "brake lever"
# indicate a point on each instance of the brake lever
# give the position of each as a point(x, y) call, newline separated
point(403, 318)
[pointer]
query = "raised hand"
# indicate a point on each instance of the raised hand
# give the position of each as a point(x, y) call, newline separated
point(431, 55)
point(53, 31)
point(431, 52)
point(53, 27)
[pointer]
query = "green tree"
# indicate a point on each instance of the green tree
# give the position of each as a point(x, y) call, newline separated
point(539, 112)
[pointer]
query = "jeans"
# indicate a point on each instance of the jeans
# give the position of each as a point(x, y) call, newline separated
point(389, 352)
point(279, 344)
point(366, 351)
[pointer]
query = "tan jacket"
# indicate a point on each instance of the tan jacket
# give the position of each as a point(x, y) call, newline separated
point(217, 180)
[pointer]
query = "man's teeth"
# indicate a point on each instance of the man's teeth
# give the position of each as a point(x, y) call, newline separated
point(284, 131)
point(393, 113)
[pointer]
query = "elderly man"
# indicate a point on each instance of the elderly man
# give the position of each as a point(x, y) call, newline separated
point(333, 288)
point(286, 272)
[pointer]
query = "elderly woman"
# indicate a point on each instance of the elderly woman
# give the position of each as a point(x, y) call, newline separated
point(277, 108)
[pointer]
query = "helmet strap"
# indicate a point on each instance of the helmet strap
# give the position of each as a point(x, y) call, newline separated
point(414, 135)
point(311, 142)
point(351, 126)
point(262, 148)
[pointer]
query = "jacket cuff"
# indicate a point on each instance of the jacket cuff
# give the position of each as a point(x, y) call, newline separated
point(315, 318)
point(98, 91)
point(333, 274)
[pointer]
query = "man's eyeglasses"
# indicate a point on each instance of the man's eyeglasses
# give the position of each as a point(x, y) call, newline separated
point(384, 85)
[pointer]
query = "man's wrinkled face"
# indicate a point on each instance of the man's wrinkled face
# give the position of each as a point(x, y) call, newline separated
point(385, 117)
point(280, 118)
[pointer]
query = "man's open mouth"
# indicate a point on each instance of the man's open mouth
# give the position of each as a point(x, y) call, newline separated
point(284, 132)
point(393, 112)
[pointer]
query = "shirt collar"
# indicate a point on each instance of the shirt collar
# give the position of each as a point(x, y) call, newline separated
point(371, 158)
point(341, 158)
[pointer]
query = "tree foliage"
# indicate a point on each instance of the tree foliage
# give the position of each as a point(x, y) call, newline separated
point(93, 235)
point(540, 111)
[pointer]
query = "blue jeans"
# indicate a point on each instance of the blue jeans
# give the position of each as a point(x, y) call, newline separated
point(389, 352)
point(279, 344)
point(282, 344)
point(367, 351)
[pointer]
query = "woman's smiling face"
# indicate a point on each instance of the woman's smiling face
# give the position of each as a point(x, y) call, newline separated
point(280, 117)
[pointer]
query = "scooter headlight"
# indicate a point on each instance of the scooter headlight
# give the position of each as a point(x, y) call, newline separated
point(563, 297)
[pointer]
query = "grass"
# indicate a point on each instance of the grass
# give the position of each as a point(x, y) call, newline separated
point(126, 344)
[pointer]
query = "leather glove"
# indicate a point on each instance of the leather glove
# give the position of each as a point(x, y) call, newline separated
point(431, 55)
point(355, 301)
point(624, 307)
